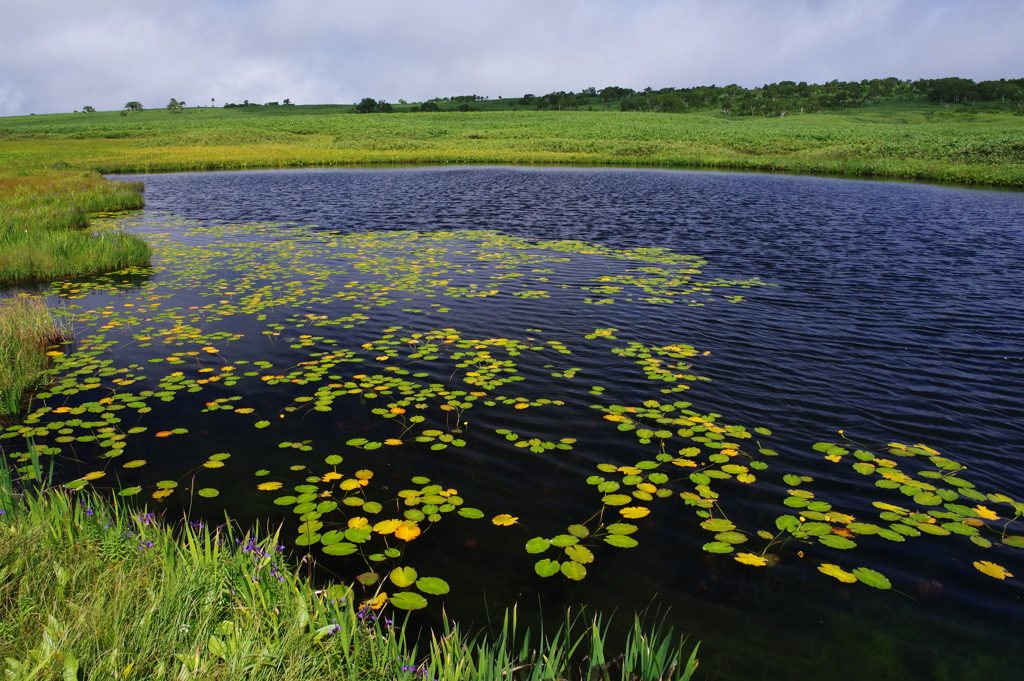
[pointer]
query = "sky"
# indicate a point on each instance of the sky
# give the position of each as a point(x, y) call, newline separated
point(60, 55)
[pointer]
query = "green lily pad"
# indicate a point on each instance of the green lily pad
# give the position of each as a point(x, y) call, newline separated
point(547, 567)
point(408, 600)
point(621, 541)
point(537, 545)
point(573, 570)
point(872, 578)
point(432, 585)
point(403, 576)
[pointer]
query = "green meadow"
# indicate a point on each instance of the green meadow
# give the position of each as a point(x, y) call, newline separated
point(903, 140)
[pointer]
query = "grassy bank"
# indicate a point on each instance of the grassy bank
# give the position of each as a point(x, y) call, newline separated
point(45, 235)
point(905, 140)
point(44, 225)
point(27, 329)
point(93, 590)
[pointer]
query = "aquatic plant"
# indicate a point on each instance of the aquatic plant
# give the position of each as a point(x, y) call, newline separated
point(415, 387)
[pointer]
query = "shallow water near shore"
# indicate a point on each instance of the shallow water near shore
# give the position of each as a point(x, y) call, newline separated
point(894, 313)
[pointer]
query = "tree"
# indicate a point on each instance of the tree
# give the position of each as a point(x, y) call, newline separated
point(133, 106)
point(88, 109)
point(175, 105)
point(370, 105)
point(430, 106)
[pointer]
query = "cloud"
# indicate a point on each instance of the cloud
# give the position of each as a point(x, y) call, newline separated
point(59, 55)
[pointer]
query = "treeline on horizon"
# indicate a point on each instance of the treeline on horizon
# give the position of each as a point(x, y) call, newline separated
point(775, 99)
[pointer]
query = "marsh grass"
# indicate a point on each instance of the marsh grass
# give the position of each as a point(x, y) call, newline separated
point(44, 236)
point(91, 589)
point(46, 254)
point(900, 140)
point(27, 330)
point(44, 226)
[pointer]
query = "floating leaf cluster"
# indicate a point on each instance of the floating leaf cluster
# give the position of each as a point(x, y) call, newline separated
point(317, 294)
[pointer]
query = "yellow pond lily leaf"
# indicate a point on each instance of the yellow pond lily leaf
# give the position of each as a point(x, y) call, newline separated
point(386, 526)
point(392, 441)
point(161, 493)
point(751, 559)
point(407, 531)
point(986, 513)
point(332, 476)
point(269, 486)
point(992, 570)
point(95, 475)
point(504, 520)
point(634, 512)
point(358, 522)
point(837, 572)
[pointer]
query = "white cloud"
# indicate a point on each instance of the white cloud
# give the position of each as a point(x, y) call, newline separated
point(59, 55)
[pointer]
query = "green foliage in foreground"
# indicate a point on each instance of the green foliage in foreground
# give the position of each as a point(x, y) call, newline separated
point(91, 590)
point(907, 140)
point(27, 329)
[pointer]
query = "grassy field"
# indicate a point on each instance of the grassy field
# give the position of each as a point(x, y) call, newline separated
point(906, 140)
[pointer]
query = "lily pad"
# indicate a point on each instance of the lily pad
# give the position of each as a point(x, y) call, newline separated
point(408, 600)
point(872, 578)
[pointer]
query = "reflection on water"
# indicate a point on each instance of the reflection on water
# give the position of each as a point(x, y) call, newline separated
point(896, 316)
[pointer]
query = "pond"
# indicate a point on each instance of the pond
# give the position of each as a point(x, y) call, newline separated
point(786, 410)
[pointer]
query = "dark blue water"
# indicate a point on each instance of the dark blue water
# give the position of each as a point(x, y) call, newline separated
point(897, 315)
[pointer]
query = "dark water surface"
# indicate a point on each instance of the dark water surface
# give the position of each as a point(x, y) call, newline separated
point(897, 315)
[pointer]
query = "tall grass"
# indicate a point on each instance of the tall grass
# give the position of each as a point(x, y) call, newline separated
point(44, 255)
point(44, 236)
point(27, 329)
point(43, 226)
point(90, 589)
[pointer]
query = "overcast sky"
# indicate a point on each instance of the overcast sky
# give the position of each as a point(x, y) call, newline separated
point(60, 55)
